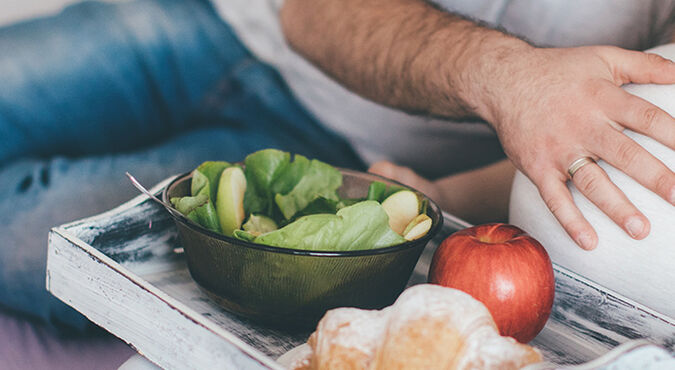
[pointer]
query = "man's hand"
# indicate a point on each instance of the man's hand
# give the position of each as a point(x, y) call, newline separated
point(548, 106)
point(553, 106)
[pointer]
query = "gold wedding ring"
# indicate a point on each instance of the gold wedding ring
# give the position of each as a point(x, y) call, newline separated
point(576, 165)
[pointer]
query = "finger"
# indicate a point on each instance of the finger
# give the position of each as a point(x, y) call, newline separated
point(559, 200)
point(401, 174)
point(641, 116)
point(395, 172)
point(594, 183)
point(638, 67)
point(405, 175)
point(626, 155)
point(383, 168)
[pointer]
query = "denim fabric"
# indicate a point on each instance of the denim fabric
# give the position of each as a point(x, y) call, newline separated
point(152, 87)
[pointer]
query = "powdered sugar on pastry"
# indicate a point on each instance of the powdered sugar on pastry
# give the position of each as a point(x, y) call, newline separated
point(486, 349)
point(355, 328)
point(347, 335)
point(429, 301)
point(428, 327)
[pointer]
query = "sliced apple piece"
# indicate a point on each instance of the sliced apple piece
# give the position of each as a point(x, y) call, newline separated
point(418, 227)
point(230, 199)
point(401, 207)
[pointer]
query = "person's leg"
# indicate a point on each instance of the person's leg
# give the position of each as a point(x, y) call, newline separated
point(105, 77)
point(108, 111)
point(44, 193)
point(98, 78)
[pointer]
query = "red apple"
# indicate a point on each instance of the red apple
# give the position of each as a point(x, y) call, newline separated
point(503, 267)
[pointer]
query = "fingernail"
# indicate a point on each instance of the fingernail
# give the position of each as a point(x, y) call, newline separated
point(585, 240)
point(635, 226)
point(672, 195)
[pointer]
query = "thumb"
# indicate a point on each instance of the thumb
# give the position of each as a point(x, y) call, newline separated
point(384, 168)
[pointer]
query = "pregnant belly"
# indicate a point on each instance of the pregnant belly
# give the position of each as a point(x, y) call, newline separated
point(644, 270)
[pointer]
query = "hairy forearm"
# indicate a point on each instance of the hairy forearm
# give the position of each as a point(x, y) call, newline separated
point(549, 106)
point(403, 53)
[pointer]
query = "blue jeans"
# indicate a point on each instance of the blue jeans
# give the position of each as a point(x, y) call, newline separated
point(153, 87)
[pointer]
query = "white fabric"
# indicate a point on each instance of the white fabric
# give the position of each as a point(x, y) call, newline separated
point(378, 132)
point(640, 270)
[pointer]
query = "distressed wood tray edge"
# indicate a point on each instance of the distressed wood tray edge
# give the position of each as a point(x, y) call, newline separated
point(97, 257)
point(253, 357)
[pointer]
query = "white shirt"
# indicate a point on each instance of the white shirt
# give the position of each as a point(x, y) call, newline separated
point(378, 132)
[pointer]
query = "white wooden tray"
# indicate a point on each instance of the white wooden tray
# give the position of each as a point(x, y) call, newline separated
point(124, 270)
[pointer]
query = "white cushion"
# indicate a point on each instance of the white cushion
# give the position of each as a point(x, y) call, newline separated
point(643, 271)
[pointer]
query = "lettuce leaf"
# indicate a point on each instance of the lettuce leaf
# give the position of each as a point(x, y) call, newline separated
point(262, 168)
point(205, 182)
point(188, 205)
point(291, 175)
point(379, 191)
point(259, 224)
point(376, 191)
point(199, 207)
point(206, 174)
point(319, 180)
point(319, 205)
point(281, 188)
point(364, 225)
point(243, 235)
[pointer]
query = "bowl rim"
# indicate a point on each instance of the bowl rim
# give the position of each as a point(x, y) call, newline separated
point(303, 252)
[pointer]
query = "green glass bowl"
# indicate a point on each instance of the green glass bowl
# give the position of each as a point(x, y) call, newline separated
point(293, 288)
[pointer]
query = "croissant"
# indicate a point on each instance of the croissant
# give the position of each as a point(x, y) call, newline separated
point(428, 327)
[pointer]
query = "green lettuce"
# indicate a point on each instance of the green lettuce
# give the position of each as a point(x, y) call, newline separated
point(379, 191)
point(376, 191)
point(259, 224)
point(319, 180)
point(319, 205)
point(188, 205)
point(302, 195)
point(280, 188)
point(243, 235)
point(262, 168)
point(205, 175)
point(204, 185)
point(364, 225)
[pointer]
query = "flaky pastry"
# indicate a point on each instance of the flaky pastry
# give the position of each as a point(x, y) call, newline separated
point(428, 327)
